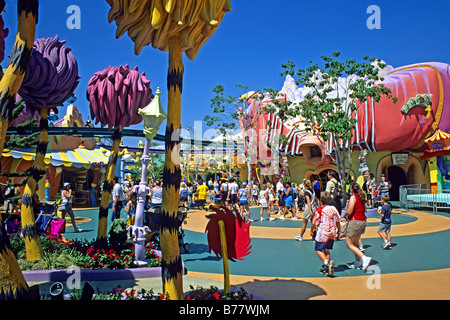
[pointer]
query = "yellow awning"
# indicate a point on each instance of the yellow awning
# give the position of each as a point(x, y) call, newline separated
point(78, 158)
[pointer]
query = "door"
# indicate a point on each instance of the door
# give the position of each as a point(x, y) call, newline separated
point(397, 177)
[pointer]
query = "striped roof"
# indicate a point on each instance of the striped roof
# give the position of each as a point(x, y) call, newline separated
point(78, 158)
point(437, 136)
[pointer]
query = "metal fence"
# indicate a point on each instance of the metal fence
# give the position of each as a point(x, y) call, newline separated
point(417, 196)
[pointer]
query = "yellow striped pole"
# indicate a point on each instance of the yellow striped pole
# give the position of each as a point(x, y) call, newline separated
point(171, 259)
point(107, 188)
point(12, 282)
point(32, 241)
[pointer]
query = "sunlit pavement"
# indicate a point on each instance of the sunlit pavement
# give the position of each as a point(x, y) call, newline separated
point(280, 267)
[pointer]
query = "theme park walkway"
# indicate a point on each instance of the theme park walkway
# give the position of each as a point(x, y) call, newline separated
point(282, 268)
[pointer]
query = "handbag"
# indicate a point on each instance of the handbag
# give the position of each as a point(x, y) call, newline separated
point(62, 207)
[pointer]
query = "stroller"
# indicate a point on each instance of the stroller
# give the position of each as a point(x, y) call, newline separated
point(47, 223)
point(154, 223)
point(12, 225)
point(196, 203)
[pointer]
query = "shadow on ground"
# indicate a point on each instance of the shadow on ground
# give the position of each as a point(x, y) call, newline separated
point(292, 289)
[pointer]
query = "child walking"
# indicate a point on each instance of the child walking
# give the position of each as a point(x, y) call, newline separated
point(325, 229)
point(384, 230)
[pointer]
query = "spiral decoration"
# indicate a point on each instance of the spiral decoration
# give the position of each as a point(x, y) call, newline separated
point(115, 94)
point(52, 74)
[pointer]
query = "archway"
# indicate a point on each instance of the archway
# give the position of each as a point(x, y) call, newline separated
point(396, 177)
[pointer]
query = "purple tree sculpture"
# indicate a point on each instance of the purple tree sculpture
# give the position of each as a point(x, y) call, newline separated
point(51, 78)
point(115, 94)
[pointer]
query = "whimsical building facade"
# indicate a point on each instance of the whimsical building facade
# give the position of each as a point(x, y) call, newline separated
point(68, 159)
point(402, 139)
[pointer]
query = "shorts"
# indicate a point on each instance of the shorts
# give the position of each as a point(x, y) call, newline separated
point(320, 246)
point(307, 215)
point(356, 228)
point(233, 198)
point(384, 227)
point(369, 196)
point(243, 202)
point(183, 198)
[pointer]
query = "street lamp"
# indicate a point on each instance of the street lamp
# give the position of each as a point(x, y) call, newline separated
point(153, 115)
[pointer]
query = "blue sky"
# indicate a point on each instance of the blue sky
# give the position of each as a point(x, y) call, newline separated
point(251, 43)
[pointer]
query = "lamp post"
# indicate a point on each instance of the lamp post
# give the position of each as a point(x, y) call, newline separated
point(153, 115)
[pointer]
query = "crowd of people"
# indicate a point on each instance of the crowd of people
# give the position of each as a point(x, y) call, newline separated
point(307, 202)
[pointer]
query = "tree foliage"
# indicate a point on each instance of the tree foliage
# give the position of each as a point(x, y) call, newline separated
point(335, 90)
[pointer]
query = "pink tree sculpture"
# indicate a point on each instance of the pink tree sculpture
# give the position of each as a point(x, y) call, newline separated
point(115, 94)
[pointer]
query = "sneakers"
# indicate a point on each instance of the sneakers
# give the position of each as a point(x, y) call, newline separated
point(365, 262)
point(324, 269)
point(294, 218)
point(271, 218)
point(282, 218)
point(328, 268)
point(262, 219)
point(297, 237)
point(356, 265)
point(387, 245)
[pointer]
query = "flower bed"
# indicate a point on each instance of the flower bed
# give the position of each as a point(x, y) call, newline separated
point(61, 254)
point(200, 293)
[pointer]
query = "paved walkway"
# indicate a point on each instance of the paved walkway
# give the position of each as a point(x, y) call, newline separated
point(280, 267)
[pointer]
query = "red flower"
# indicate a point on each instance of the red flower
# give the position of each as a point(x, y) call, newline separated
point(188, 298)
point(95, 257)
point(216, 295)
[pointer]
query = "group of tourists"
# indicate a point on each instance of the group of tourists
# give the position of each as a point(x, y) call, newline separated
point(308, 202)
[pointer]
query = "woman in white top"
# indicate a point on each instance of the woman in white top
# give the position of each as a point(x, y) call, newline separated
point(272, 197)
point(157, 194)
point(264, 202)
point(66, 199)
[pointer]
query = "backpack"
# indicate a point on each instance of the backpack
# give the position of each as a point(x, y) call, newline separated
point(311, 200)
point(337, 194)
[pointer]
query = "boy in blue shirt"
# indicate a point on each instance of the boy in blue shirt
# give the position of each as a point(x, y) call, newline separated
point(384, 230)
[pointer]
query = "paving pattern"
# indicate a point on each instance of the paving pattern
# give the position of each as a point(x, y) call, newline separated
point(280, 267)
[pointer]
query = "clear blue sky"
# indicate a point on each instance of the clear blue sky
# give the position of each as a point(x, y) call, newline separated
point(251, 43)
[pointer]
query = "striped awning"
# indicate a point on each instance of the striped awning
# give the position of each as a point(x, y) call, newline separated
point(78, 158)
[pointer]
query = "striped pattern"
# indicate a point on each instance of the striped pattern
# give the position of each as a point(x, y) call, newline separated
point(78, 158)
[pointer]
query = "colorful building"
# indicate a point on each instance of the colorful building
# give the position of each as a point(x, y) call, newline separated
point(398, 136)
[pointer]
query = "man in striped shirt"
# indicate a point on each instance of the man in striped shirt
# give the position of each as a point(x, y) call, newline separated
point(383, 186)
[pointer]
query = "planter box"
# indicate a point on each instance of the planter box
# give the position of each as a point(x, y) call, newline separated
point(93, 275)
